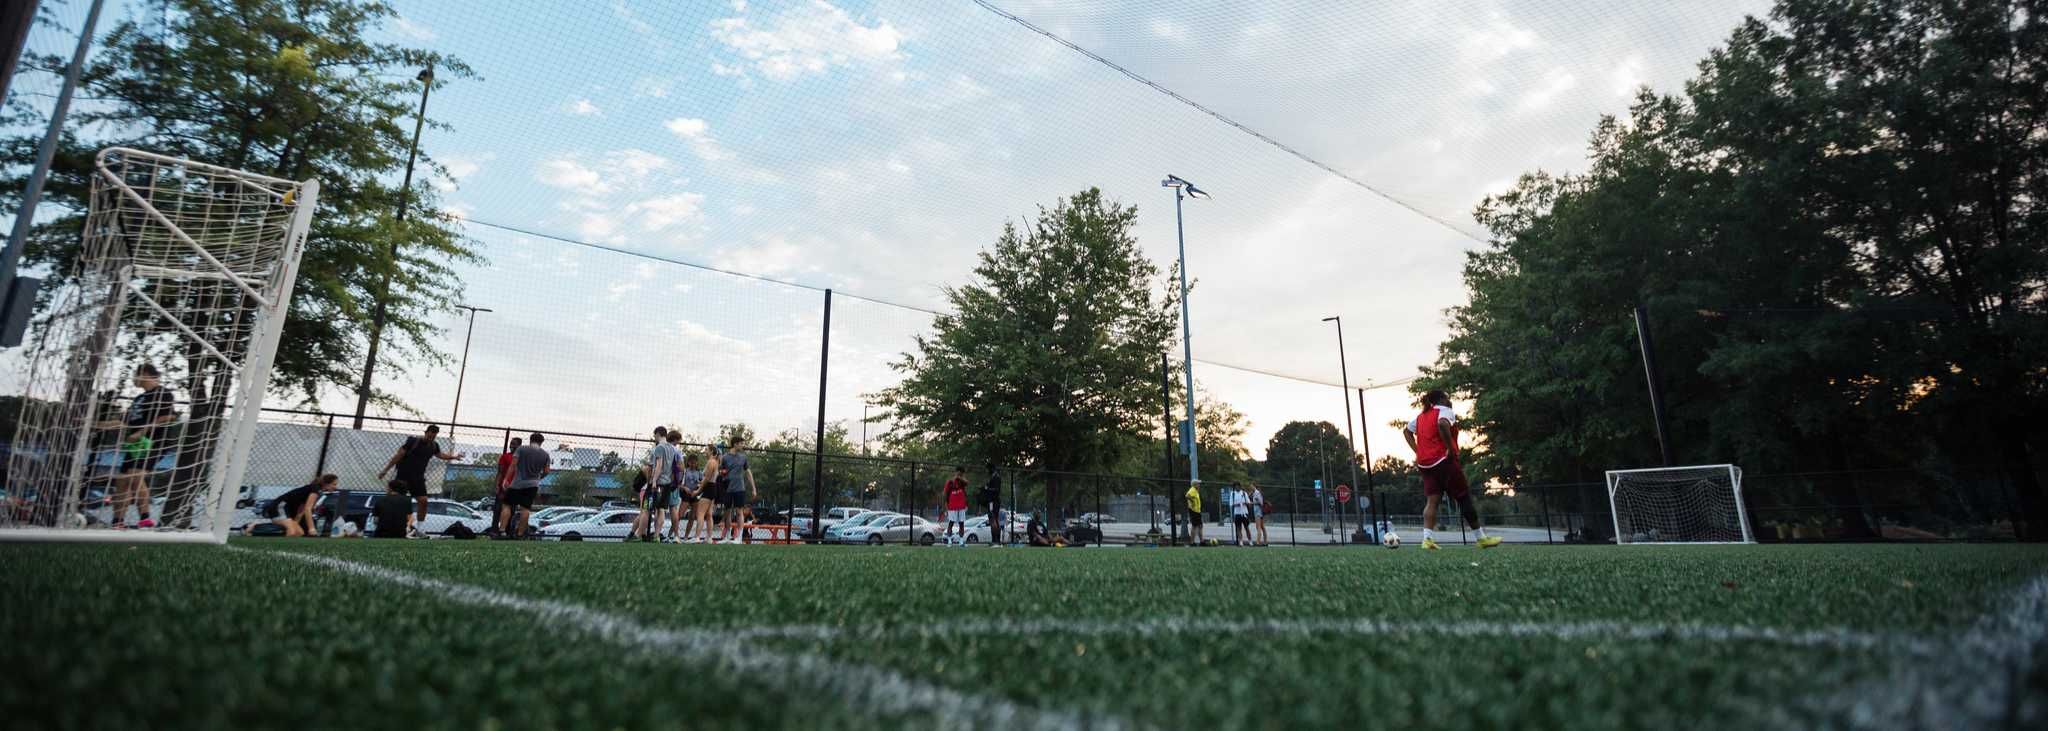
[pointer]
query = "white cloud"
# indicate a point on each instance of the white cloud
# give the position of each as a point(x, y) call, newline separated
point(652, 86)
point(568, 174)
point(634, 162)
point(596, 226)
point(1498, 39)
point(743, 210)
point(1555, 83)
point(583, 108)
point(1629, 75)
point(460, 167)
point(661, 212)
point(698, 133)
point(414, 30)
point(1169, 30)
point(458, 211)
point(808, 39)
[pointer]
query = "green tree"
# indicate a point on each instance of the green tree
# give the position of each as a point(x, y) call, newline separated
point(572, 487)
point(1050, 356)
point(468, 487)
point(291, 89)
point(1301, 452)
point(1838, 235)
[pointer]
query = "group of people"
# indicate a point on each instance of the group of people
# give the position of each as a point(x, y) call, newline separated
point(698, 507)
point(1248, 509)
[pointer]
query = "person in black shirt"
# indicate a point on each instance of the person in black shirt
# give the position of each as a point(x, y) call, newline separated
point(393, 511)
point(992, 501)
point(144, 439)
point(293, 510)
point(411, 462)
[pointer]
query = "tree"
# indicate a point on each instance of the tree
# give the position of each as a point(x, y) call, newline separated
point(610, 462)
point(1838, 234)
point(1050, 357)
point(1301, 452)
point(468, 487)
point(294, 90)
point(572, 487)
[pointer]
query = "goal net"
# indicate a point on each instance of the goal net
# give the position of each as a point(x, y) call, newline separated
point(148, 367)
point(1701, 504)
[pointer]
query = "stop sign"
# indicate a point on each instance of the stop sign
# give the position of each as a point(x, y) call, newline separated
point(1343, 493)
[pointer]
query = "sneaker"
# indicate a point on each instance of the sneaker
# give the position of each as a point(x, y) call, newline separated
point(1489, 541)
point(414, 533)
point(1429, 544)
point(145, 523)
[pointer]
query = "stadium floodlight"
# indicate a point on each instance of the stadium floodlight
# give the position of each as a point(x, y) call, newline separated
point(1698, 504)
point(185, 267)
point(381, 312)
point(1184, 189)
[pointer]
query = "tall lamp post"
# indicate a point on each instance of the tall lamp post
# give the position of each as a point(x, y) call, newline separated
point(426, 79)
point(1184, 189)
point(1350, 437)
point(455, 416)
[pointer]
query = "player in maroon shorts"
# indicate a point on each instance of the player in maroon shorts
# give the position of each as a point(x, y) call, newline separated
point(1434, 437)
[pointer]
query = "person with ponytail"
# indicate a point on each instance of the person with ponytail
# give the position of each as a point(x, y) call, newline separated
point(1433, 435)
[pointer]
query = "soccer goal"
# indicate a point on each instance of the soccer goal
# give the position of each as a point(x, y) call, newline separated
point(147, 370)
point(1700, 504)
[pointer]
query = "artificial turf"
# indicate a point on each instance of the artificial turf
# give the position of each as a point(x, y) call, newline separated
point(200, 636)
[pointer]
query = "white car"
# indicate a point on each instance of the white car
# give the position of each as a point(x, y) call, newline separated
point(609, 525)
point(977, 530)
point(833, 532)
point(801, 525)
point(442, 515)
point(895, 528)
point(545, 517)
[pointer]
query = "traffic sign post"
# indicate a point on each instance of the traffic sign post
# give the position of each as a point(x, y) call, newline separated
point(1343, 494)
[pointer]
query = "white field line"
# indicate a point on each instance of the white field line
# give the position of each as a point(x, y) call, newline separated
point(1838, 639)
point(865, 687)
point(1977, 681)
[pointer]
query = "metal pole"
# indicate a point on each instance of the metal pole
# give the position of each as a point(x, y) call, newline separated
point(1166, 412)
point(1350, 437)
point(864, 429)
point(910, 537)
point(455, 415)
point(320, 468)
point(1656, 385)
point(1543, 498)
point(381, 312)
point(15, 20)
point(1365, 442)
point(32, 193)
point(1187, 341)
point(818, 456)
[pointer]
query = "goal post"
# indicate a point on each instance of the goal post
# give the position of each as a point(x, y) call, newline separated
point(1695, 504)
point(147, 370)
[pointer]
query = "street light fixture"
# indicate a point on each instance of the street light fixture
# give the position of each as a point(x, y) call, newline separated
point(378, 316)
point(1184, 189)
point(1350, 437)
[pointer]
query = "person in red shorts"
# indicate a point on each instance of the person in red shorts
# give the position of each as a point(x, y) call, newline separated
point(1433, 434)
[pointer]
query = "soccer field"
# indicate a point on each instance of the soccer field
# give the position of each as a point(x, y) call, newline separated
point(445, 634)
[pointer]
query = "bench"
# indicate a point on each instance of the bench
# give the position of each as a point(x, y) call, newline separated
point(778, 533)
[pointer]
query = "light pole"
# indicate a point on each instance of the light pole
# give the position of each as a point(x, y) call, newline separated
point(1350, 437)
point(863, 428)
point(426, 78)
point(455, 416)
point(1184, 189)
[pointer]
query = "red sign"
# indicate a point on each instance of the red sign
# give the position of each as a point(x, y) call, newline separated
point(1343, 493)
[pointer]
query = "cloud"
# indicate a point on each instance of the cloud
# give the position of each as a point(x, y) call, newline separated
point(661, 212)
point(1555, 83)
point(583, 108)
point(698, 133)
point(635, 162)
point(568, 174)
point(460, 167)
point(414, 30)
point(807, 39)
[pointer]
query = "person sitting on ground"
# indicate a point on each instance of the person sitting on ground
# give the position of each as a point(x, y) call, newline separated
point(1034, 533)
point(293, 510)
point(393, 511)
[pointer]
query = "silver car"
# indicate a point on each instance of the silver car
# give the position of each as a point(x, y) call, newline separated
point(895, 528)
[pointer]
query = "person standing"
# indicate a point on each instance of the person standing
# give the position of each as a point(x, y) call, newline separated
point(699, 500)
point(504, 480)
point(411, 461)
point(739, 491)
point(1258, 510)
point(1433, 435)
point(1240, 515)
point(992, 502)
point(662, 464)
point(530, 465)
point(689, 486)
point(955, 498)
point(1194, 500)
point(144, 430)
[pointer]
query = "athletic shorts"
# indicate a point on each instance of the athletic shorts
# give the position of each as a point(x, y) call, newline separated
point(1194, 518)
point(956, 516)
point(1446, 477)
point(273, 510)
point(520, 497)
point(664, 497)
point(1241, 520)
point(415, 485)
point(144, 462)
point(734, 500)
point(1257, 513)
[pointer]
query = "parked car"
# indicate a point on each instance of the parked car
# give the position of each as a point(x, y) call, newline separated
point(618, 505)
point(608, 525)
point(1080, 532)
point(801, 524)
point(977, 529)
point(443, 515)
point(833, 532)
point(893, 529)
point(1098, 518)
point(545, 517)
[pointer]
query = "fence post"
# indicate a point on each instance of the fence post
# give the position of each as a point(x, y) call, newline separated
point(1293, 512)
point(1543, 498)
point(910, 536)
point(792, 494)
point(818, 458)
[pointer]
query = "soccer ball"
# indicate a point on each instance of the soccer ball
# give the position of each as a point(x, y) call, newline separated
point(1390, 539)
point(77, 520)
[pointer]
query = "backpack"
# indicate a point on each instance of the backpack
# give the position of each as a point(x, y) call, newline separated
point(460, 532)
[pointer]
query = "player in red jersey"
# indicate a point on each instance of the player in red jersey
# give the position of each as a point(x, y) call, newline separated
point(1433, 434)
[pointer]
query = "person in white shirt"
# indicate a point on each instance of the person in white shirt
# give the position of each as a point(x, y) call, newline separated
point(1240, 514)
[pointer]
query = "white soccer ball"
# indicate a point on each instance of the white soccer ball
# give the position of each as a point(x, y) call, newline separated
point(1390, 539)
point(77, 520)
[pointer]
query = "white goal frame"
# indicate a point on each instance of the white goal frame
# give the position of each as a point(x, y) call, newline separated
point(175, 254)
point(1614, 479)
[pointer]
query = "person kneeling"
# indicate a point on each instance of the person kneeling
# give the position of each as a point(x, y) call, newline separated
point(393, 511)
point(293, 511)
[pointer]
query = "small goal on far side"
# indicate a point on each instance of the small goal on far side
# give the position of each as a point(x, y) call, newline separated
point(1696, 504)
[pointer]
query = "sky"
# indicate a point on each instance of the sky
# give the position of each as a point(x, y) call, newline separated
point(876, 147)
